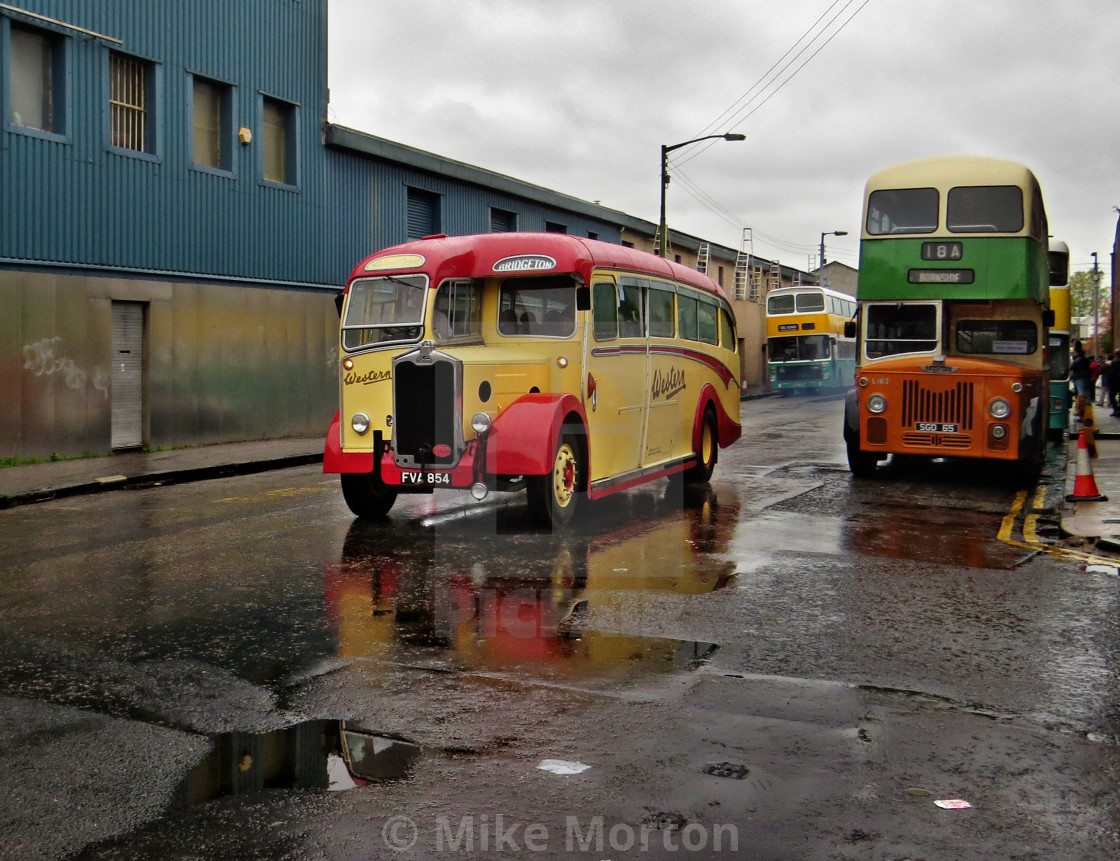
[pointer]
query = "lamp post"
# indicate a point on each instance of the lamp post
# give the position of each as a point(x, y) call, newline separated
point(1096, 306)
point(663, 228)
point(823, 235)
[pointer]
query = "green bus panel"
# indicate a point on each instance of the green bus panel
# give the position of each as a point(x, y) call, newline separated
point(987, 268)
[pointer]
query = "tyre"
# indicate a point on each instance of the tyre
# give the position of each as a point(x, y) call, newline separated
point(861, 463)
point(555, 496)
point(707, 453)
point(366, 495)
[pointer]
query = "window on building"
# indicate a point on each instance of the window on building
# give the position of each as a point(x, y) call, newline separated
point(35, 91)
point(502, 220)
point(279, 125)
point(131, 103)
point(555, 227)
point(212, 119)
point(423, 213)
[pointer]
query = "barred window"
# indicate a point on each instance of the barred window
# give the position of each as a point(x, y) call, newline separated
point(130, 103)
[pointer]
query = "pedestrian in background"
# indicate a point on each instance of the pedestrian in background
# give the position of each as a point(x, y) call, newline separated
point(1094, 373)
point(1079, 372)
point(1113, 371)
point(1104, 381)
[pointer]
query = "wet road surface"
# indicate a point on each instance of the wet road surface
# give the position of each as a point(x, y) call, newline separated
point(789, 664)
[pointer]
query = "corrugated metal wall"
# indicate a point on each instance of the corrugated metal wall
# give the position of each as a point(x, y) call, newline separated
point(106, 208)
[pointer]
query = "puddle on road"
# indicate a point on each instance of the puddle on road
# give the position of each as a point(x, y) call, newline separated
point(314, 755)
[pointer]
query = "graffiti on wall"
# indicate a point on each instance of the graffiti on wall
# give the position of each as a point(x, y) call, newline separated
point(44, 359)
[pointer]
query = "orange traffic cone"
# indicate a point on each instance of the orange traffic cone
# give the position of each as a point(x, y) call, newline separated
point(1084, 485)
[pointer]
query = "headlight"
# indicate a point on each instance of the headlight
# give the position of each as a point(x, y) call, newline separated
point(360, 423)
point(999, 408)
point(877, 404)
point(998, 431)
point(480, 423)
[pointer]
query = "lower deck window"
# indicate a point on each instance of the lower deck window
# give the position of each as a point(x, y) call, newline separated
point(893, 329)
point(997, 337)
point(799, 348)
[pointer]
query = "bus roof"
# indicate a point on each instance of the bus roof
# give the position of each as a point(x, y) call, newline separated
point(489, 254)
point(949, 171)
point(810, 288)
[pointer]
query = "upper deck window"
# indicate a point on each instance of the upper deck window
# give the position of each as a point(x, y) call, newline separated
point(985, 209)
point(807, 302)
point(780, 304)
point(383, 310)
point(893, 211)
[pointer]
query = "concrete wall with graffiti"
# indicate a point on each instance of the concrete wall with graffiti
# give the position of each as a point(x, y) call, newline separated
point(222, 362)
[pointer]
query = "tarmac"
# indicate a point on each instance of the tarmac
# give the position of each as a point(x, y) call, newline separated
point(1096, 522)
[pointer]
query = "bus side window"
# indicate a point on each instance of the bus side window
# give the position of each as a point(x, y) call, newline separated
point(630, 311)
point(686, 317)
point(660, 313)
point(604, 304)
point(706, 323)
point(727, 331)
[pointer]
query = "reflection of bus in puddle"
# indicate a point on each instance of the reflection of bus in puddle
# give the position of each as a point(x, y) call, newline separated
point(591, 607)
point(588, 611)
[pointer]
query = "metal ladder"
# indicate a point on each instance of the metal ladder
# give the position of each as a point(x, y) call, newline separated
point(703, 257)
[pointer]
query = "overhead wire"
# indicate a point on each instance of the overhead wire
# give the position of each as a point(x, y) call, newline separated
point(745, 101)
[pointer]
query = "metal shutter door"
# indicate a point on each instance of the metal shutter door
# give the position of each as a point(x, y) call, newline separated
point(128, 375)
point(422, 219)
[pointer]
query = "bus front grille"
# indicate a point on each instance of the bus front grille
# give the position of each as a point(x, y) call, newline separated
point(945, 404)
point(425, 414)
point(931, 440)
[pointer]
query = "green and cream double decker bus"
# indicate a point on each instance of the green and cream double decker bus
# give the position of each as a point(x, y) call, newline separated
point(954, 315)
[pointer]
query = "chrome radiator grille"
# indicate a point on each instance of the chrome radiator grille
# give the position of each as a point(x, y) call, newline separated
point(944, 404)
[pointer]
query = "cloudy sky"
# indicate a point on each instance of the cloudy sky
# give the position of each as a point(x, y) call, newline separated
point(579, 95)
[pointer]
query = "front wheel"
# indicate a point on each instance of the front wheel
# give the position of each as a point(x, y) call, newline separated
point(366, 494)
point(554, 496)
point(861, 463)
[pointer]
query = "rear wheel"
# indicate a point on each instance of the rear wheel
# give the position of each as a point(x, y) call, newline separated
point(554, 497)
point(366, 494)
point(707, 453)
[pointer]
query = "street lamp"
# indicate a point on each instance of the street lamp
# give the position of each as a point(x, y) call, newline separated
point(1096, 306)
point(663, 231)
point(823, 235)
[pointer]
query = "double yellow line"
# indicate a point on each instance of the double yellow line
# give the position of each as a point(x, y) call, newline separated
point(1031, 541)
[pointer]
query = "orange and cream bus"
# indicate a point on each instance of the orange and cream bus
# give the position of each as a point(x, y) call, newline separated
point(806, 346)
point(568, 367)
point(953, 303)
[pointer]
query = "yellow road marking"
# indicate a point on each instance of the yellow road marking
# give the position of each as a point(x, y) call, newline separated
point(1030, 532)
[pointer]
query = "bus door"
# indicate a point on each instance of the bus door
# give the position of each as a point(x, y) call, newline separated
point(665, 417)
point(616, 375)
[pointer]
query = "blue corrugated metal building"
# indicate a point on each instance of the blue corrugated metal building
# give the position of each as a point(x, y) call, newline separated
point(176, 216)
